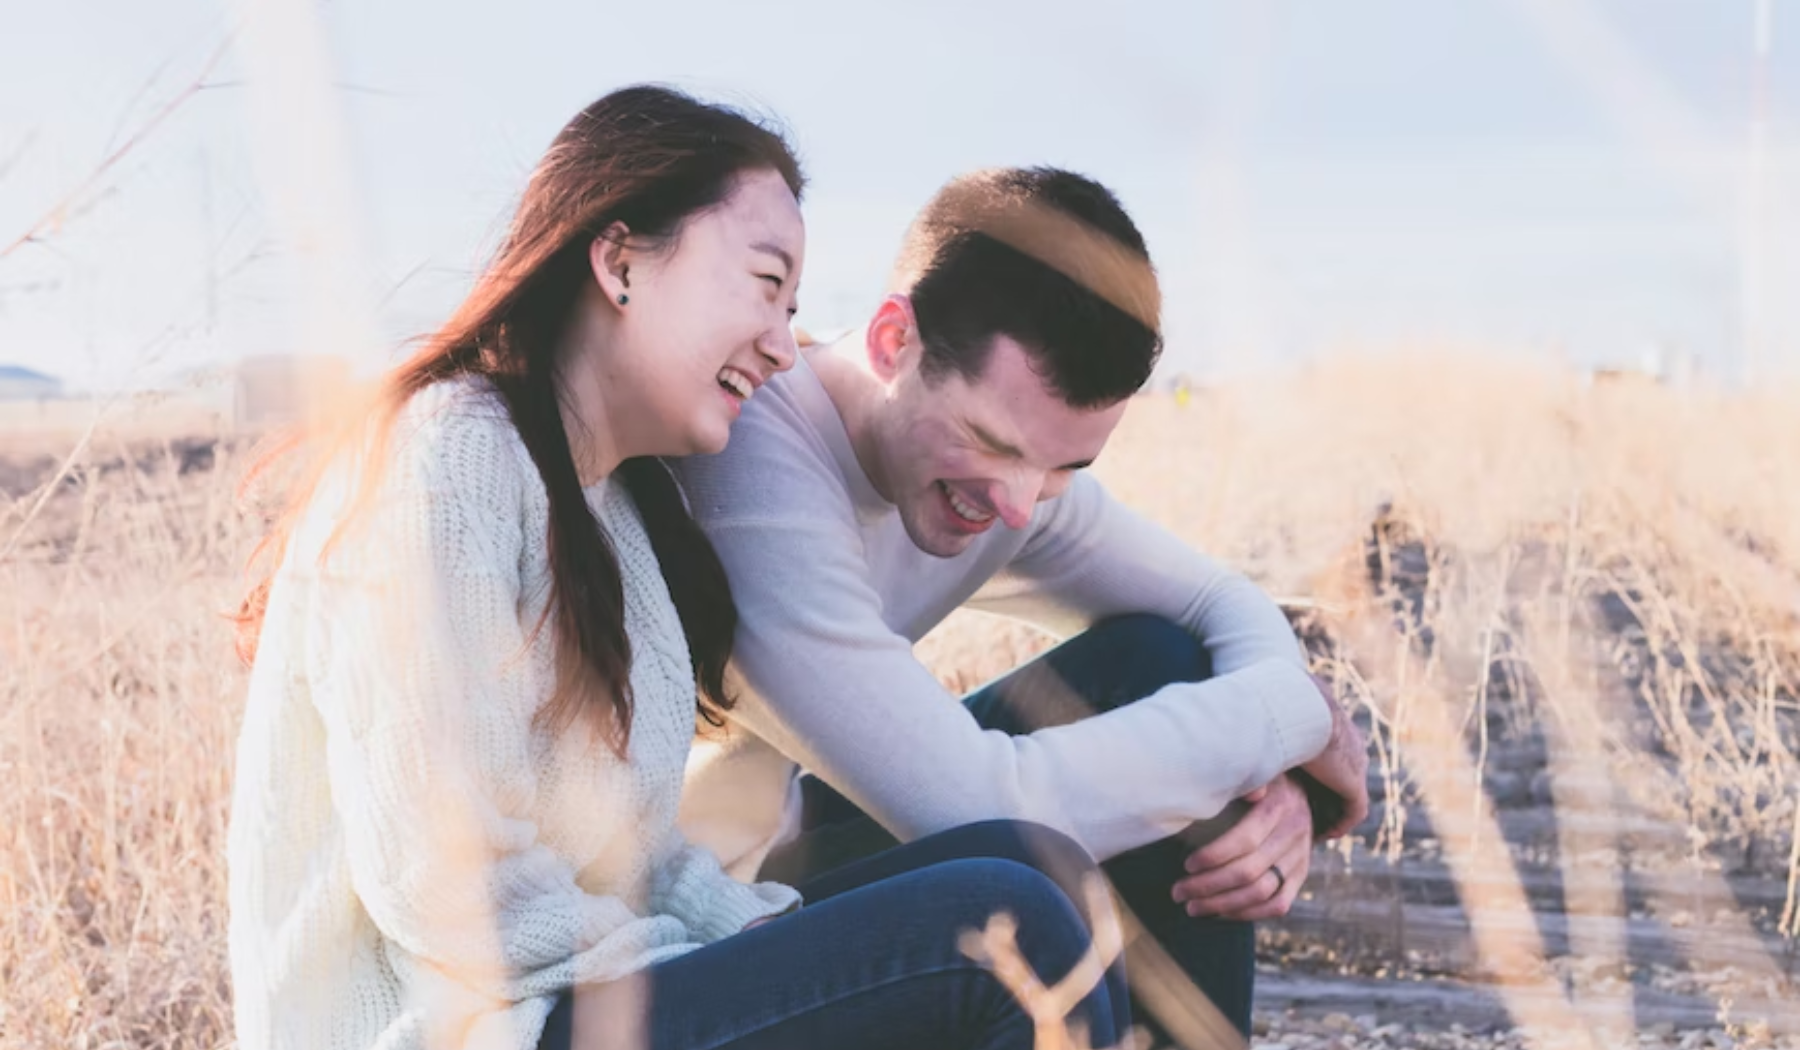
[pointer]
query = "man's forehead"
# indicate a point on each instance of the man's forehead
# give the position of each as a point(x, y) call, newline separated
point(1012, 395)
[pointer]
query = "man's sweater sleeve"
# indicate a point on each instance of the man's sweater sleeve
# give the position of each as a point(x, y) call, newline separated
point(1090, 557)
point(834, 688)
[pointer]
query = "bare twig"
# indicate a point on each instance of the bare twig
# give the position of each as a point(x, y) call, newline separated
point(59, 212)
point(996, 947)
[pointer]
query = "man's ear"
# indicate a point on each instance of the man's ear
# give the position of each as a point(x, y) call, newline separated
point(610, 256)
point(892, 337)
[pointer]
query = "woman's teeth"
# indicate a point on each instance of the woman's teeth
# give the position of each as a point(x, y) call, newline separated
point(736, 382)
point(964, 510)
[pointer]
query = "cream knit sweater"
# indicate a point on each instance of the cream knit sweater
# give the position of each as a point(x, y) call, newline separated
point(413, 863)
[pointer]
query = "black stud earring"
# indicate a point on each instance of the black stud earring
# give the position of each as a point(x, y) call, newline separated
point(623, 298)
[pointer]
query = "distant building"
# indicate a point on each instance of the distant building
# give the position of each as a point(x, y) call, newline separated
point(1658, 364)
point(266, 390)
point(277, 389)
point(22, 384)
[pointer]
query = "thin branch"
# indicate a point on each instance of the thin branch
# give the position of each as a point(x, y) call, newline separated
point(12, 160)
point(59, 212)
point(143, 92)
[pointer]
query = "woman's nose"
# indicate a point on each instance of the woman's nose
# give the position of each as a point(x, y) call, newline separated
point(778, 348)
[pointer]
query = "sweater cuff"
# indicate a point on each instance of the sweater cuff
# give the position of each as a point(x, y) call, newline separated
point(737, 905)
point(1297, 713)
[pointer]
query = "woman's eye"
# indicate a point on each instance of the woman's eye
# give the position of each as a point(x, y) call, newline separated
point(771, 278)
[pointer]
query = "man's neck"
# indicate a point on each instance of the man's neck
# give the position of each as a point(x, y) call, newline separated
point(843, 370)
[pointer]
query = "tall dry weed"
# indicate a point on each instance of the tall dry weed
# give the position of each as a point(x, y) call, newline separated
point(1611, 573)
point(1494, 558)
point(119, 703)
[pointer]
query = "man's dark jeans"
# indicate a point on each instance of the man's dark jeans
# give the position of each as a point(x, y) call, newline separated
point(1116, 662)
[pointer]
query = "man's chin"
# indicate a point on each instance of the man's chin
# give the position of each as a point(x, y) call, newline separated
point(936, 543)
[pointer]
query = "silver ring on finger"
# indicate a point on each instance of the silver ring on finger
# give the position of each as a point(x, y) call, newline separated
point(1280, 880)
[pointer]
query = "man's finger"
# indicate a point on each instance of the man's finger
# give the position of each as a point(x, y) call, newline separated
point(1345, 826)
point(1288, 843)
point(1356, 810)
point(1242, 839)
point(1265, 886)
point(1285, 803)
point(1273, 908)
point(1220, 881)
point(1294, 870)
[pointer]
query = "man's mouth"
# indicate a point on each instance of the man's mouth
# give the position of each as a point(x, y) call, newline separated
point(963, 508)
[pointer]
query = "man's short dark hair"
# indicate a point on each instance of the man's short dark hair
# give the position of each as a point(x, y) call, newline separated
point(1046, 257)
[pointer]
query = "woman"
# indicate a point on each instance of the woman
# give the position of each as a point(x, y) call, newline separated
point(480, 652)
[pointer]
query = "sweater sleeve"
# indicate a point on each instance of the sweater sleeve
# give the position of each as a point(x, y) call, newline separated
point(428, 708)
point(691, 886)
point(1089, 557)
point(834, 688)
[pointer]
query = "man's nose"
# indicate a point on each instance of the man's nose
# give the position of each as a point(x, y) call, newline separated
point(1014, 499)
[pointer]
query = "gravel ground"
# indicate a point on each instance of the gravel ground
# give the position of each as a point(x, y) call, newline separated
point(1295, 1030)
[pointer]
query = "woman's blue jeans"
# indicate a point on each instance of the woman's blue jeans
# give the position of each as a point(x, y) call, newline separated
point(872, 960)
point(1114, 663)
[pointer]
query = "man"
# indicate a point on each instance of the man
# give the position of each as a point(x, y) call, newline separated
point(935, 460)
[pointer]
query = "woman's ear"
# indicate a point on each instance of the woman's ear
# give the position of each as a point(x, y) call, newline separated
point(610, 256)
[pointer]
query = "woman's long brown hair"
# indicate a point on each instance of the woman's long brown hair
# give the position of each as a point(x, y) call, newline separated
point(650, 158)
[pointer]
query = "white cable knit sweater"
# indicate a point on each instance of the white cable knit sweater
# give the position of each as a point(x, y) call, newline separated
point(413, 863)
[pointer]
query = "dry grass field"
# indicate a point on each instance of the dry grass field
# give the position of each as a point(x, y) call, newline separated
point(1569, 616)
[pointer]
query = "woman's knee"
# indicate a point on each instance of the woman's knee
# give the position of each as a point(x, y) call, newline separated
point(1048, 920)
point(1052, 934)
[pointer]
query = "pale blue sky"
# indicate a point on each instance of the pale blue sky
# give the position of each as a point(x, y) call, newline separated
point(1309, 173)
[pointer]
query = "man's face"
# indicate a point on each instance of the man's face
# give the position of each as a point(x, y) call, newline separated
point(960, 457)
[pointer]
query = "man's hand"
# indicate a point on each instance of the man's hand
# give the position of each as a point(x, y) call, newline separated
point(1342, 768)
point(1255, 870)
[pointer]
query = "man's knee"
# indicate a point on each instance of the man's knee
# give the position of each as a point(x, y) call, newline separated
point(1155, 649)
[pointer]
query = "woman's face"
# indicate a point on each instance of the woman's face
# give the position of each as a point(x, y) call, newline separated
point(706, 320)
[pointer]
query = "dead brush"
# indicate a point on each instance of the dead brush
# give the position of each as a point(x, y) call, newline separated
point(118, 715)
point(1608, 579)
point(1609, 575)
